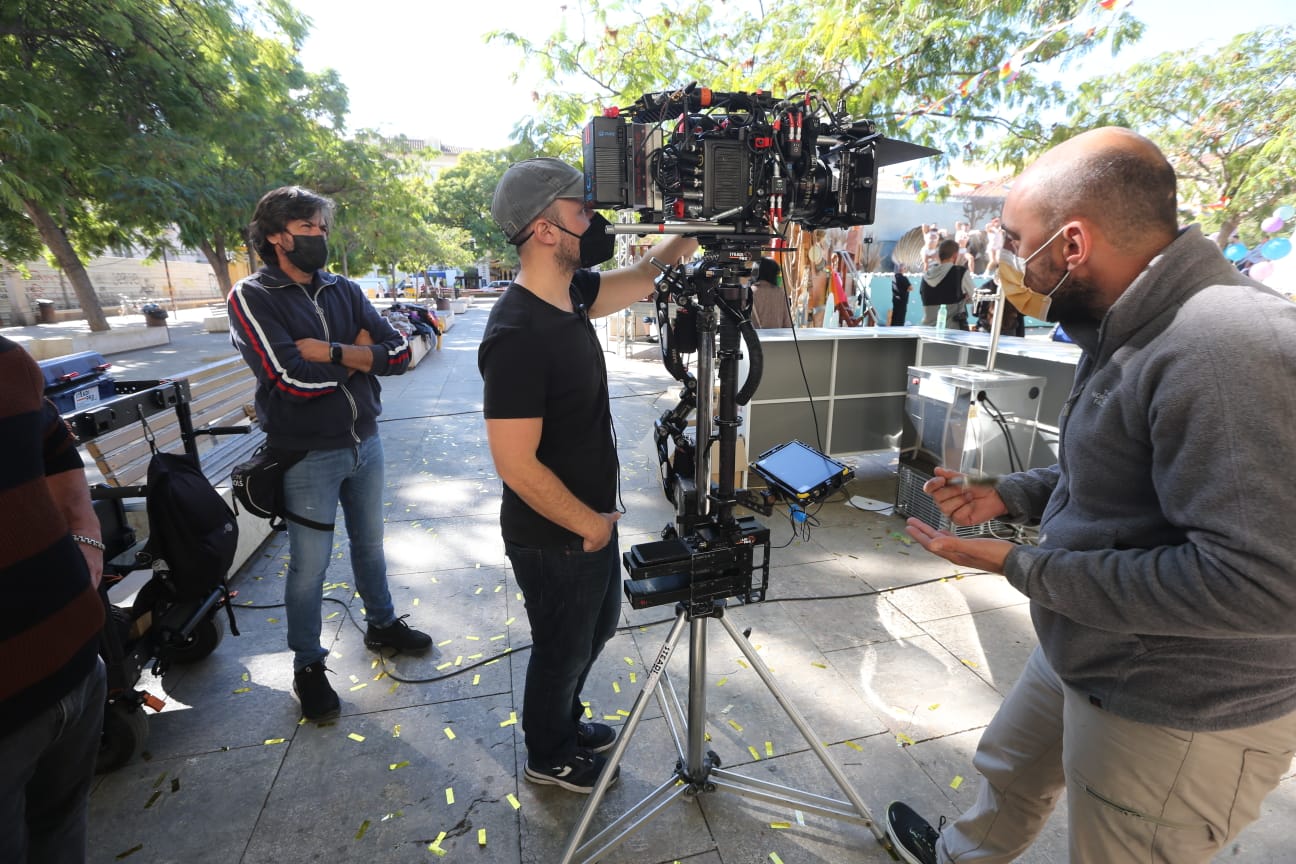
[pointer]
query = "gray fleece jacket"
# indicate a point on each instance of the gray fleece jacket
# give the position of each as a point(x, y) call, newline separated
point(1164, 584)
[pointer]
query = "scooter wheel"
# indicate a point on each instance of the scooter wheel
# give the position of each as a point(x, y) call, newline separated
point(125, 729)
point(202, 641)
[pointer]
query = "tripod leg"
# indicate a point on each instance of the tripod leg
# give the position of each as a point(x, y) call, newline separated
point(614, 758)
point(804, 728)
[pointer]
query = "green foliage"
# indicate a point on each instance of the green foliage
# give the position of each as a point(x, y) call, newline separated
point(1226, 120)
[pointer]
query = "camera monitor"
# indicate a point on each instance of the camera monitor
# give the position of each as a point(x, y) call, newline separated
point(801, 473)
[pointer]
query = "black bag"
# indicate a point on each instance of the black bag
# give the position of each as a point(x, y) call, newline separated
point(190, 526)
point(258, 486)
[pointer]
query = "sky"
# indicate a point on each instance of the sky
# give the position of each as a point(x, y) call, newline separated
point(422, 69)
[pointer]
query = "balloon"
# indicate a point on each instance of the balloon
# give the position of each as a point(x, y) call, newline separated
point(1261, 270)
point(1235, 251)
point(1276, 248)
point(1285, 212)
point(1272, 225)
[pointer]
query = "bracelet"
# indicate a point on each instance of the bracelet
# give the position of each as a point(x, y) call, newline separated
point(90, 541)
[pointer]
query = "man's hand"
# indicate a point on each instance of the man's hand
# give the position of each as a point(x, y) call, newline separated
point(94, 563)
point(977, 553)
point(314, 350)
point(967, 503)
point(596, 541)
point(363, 338)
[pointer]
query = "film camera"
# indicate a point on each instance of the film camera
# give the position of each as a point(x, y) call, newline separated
point(732, 169)
point(747, 162)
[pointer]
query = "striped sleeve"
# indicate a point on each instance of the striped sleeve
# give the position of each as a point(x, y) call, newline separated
point(271, 351)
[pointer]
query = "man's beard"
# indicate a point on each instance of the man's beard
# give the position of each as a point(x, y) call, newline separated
point(1073, 303)
point(568, 260)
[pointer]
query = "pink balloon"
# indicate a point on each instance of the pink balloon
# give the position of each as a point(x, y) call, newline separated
point(1272, 225)
point(1262, 270)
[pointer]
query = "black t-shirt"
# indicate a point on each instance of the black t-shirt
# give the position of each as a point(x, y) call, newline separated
point(538, 361)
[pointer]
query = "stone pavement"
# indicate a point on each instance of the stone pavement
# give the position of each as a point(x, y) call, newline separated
point(898, 673)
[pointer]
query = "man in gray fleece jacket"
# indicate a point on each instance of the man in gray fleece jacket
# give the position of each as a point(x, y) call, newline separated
point(1162, 696)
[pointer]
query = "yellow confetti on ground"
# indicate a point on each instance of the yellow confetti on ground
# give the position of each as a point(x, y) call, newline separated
point(445, 665)
point(623, 712)
point(779, 826)
point(498, 637)
point(246, 677)
point(272, 620)
point(444, 642)
point(459, 660)
point(616, 688)
point(933, 706)
point(498, 588)
point(243, 690)
point(611, 717)
point(364, 826)
point(629, 662)
point(478, 591)
point(820, 665)
point(769, 748)
point(402, 764)
point(956, 782)
point(512, 799)
point(734, 724)
point(354, 737)
point(392, 689)
point(396, 731)
point(632, 678)
point(416, 602)
point(511, 620)
point(449, 733)
point(857, 748)
point(773, 856)
point(512, 719)
point(589, 715)
point(360, 685)
point(476, 679)
point(481, 836)
point(721, 682)
point(752, 750)
point(970, 663)
point(904, 739)
point(435, 846)
point(274, 741)
point(449, 795)
point(744, 665)
point(473, 638)
point(354, 679)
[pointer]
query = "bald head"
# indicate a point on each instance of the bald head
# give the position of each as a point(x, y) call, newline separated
point(1115, 178)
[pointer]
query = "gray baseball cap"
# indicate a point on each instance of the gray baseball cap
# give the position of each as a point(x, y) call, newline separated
point(528, 187)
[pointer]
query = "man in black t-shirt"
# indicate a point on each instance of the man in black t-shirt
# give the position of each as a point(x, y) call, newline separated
point(549, 425)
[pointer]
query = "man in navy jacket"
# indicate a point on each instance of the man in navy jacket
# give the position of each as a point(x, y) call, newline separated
point(317, 345)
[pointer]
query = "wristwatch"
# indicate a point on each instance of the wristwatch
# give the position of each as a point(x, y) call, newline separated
point(335, 353)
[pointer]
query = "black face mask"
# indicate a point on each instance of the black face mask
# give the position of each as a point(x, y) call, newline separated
point(596, 245)
point(309, 253)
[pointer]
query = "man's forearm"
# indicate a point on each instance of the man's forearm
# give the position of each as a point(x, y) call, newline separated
point(544, 493)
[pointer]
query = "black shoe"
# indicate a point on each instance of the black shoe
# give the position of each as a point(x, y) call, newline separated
point(595, 737)
point(578, 773)
point(318, 701)
point(398, 635)
point(912, 836)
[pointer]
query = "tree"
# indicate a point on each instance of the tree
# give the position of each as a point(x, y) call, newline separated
point(100, 94)
point(461, 196)
point(1226, 120)
point(944, 73)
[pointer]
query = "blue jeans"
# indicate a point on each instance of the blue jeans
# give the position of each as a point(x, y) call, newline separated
point(46, 767)
point(312, 489)
point(573, 600)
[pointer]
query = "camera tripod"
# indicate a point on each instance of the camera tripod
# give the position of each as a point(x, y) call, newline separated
point(698, 770)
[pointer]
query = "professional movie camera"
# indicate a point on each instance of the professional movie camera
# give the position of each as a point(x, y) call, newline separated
point(749, 162)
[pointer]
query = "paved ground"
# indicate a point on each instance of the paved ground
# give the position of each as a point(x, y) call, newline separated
point(897, 673)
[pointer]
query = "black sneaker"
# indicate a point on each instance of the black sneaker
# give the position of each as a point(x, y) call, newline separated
point(912, 836)
point(595, 737)
point(398, 635)
point(578, 773)
point(318, 701)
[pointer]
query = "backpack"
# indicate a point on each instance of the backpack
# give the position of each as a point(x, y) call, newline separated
point(258, 486)
point(190, 527)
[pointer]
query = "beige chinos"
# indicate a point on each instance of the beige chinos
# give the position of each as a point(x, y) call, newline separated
point(1135, 792)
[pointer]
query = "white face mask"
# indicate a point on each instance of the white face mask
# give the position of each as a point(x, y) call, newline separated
point(1012, 276)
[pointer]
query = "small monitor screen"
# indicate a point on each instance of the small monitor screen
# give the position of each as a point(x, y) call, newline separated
point(798, 468)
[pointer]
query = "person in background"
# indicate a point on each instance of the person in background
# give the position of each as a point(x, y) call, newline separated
point(549, 425)
point(317, 347)
point(950, 285)
point(51, 561)
point(1162, 695)
point(900, 288)
point(769, 302)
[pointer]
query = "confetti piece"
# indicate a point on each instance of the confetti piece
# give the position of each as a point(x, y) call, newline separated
point(512, 799)
point(512, 719)
point(857, 748)
point(364, 826)
point(511, 620)
point(247, 677)
point(336, 655)
point(632, 678)
point(752, 750)
point(498, 588)
point(331, 616)
point(970, 663)
point(800, 817)
point(956, 782)
point(481, 836)
point(396, 731)
point(744, 665)
point(721, 682)
point(498, 637)
point(473, 638)
point(774, 856)
point(611, 717)
point(449, 733)
point(589, 715)
point(449, 795)
point(623, 712)
point(779, 826)
point(152, 798)
point(458, 661)
point(416, 602)
point(393, 766)
point(272, 620)
point(362, 684)
point(476, 680)
point(355, 737)
point(270, 741)
point(478, 591)
point(392, 689)
point(444, 642)
point(616, 688)
point(769, 748)
point(243, 690)
point(933, 706)
point(445, 665)
point(820, 665)
point(904, 739)
point(629, 662)
point(354, 679)
point(734, 724)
